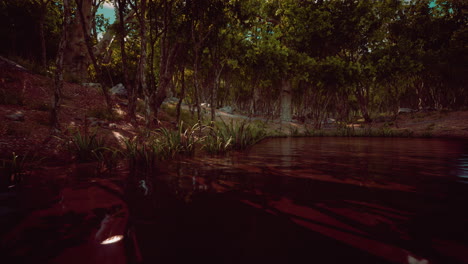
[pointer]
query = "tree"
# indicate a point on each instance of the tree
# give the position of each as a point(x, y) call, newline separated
point(58, 80)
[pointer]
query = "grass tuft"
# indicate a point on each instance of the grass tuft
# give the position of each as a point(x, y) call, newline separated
point(14, 168)
point(237, 136)
point(86, 146)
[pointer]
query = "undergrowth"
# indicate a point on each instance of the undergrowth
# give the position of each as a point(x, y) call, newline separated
point(13, 169)
point(223, 136)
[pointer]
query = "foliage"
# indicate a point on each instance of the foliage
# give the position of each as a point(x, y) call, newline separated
point(343, 58)
point(101, 112)
point(173, 142)
point(234, 135)
point(141, 154)
point(86, 146)
point(19, 22)
point(14, 168)
point(217, 142)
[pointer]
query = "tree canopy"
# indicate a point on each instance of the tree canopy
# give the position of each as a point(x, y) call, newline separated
point(307, 59)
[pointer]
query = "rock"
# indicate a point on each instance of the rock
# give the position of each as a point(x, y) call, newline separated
point(406, 110)
point(99, 123)
point(118, 90)
point(92, 85)
point(17, 116)
point(227, 109)
point(171, 100)
point(330, 121)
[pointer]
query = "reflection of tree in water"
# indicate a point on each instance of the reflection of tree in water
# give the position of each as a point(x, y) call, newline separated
point(256, 191)
point(463, 168)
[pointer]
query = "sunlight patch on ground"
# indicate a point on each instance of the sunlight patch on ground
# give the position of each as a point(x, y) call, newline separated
point(120, 138)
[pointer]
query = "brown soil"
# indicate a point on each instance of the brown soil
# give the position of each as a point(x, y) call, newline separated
point(436, 123)
point(24, 92)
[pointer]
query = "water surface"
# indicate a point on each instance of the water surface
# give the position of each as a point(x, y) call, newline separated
point(319, 200)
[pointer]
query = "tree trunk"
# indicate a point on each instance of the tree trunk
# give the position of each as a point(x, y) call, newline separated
point(97, 67)
point(132, 94)
point(102, 47)
point(182, 95)
point(362, 95)
point(166, 71)
point(43, 13)
point(58, 79)
point(76, 58)
point(141, 72)
point(286, 99)
point(196, 82)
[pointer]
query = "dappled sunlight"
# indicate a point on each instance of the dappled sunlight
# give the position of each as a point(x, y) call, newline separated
point(112, 240)
point(119, 137)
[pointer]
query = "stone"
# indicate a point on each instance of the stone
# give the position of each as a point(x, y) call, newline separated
point(92, 85)
point(406, 110)
point(118, 90)
point(227, 109)
point(330, 121)
point(172, 100)
point(17, 116)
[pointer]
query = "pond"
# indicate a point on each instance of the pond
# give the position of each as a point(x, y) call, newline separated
point(285, 200)
point(308, 200)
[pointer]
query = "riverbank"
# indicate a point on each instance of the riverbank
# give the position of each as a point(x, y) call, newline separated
point(25, 104)
point(50, 192)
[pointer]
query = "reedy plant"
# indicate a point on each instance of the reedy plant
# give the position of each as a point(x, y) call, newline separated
point(217, 142)
point(140, 153)
point(107, 157)
point(15, 167)
point(239, 135)
point(85, 146)
point(179, 141)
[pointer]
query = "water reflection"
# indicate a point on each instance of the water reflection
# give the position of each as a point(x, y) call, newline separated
point(370, 200)
point(463, 168)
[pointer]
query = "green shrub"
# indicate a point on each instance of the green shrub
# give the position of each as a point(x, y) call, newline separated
point(239, 135)
point(141, 153)
point(216, 142)
point(179, 141)
point(86, 146)
point(103, 113)
point(185, 116)
point(14, 168)
point(107, 157)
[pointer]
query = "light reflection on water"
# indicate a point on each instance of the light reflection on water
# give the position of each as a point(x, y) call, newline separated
point(463, 168)
point(385, 198)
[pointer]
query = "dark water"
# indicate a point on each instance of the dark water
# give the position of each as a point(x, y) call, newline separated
point(308, 200)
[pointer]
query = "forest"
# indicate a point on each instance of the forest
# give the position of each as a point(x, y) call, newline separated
point(234, 131)
point(303, 60)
